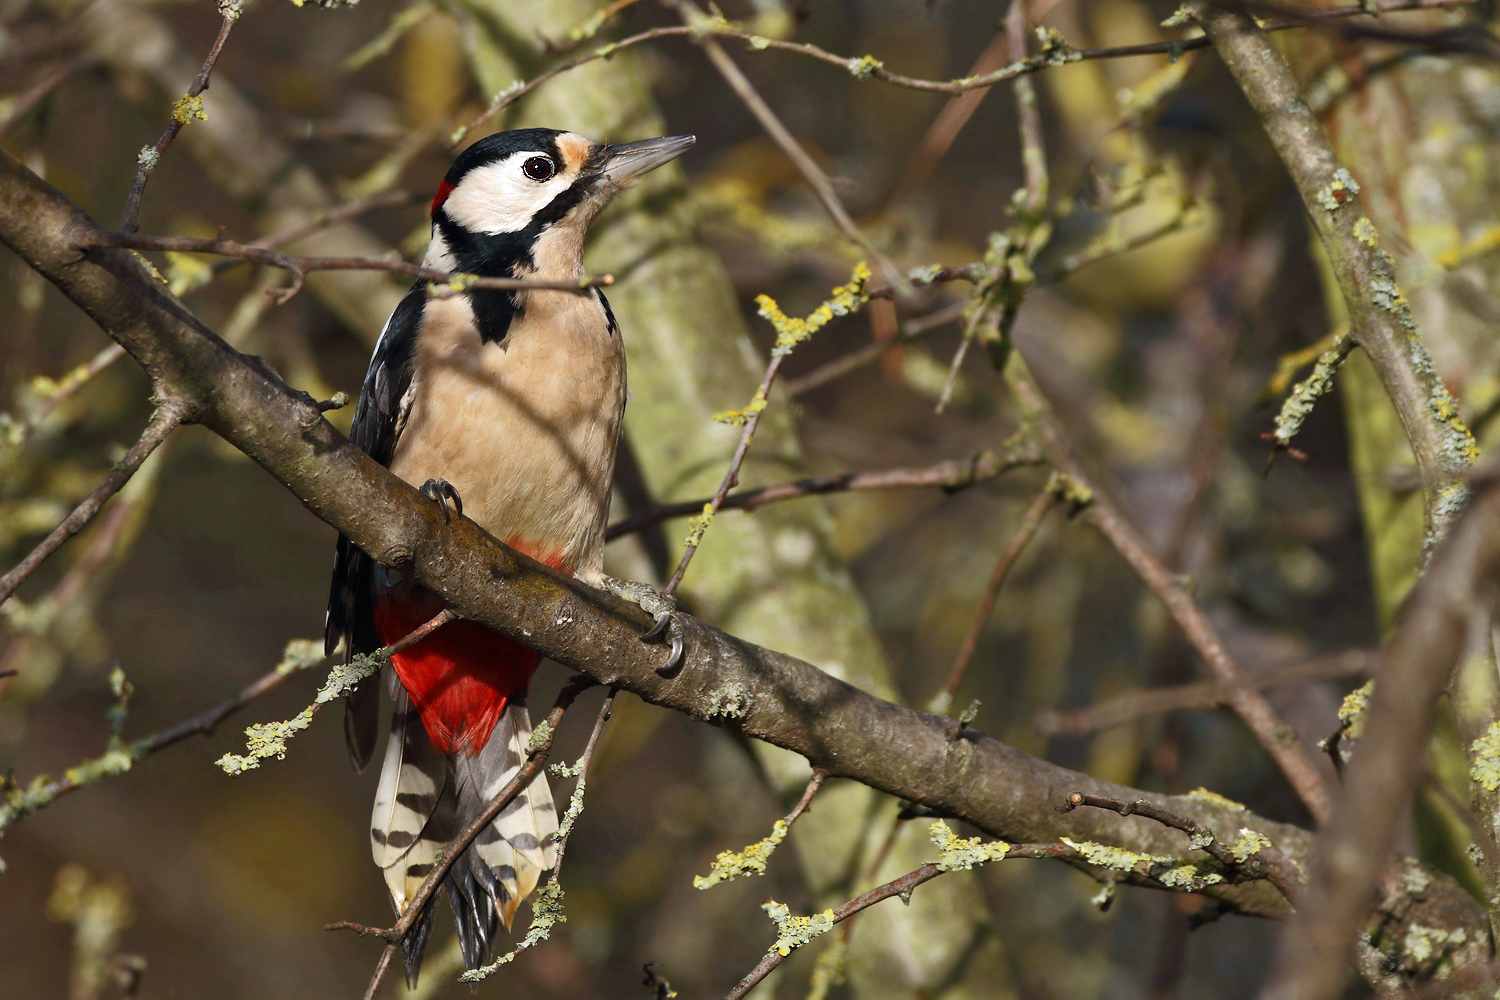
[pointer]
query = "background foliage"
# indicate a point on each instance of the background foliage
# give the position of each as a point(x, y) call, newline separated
point(1171, 291)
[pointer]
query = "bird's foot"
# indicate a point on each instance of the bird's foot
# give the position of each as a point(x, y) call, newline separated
point(662, 608)
point(441, 491)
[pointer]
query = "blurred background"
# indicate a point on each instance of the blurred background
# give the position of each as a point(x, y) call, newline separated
point(1176, 297)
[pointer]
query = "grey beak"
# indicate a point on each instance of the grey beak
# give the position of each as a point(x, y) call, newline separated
point(626, 161)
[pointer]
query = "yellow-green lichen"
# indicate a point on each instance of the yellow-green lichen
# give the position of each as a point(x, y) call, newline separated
point(1190, 876)
point(1485, 769)
point(730, 865)
point(1075, 494)
point(1352, 711)
point(546, 913)
point(1215, 799)
point(1364, 231)
point(700, 524)
point(1055, 48)
point(790, 331)
point(863, 67)
point(1105, 856)
point(728, 702)
point(794, 931)
point(963, 853)
point(1174, 873)
point(1251, 843)
point(743, 414)
point(1305, 394)
point(1339, 190)
point(265, 740)
point(186, 108)
point(1421, 943)
point(539, 736)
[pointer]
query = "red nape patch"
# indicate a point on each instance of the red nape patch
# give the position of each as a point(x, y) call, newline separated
point(443, 191)
point(460, 678)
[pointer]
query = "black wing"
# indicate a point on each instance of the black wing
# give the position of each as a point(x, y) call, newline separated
point(383, 405)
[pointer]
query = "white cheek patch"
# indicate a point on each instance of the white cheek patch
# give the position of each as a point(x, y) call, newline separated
point(500, 198)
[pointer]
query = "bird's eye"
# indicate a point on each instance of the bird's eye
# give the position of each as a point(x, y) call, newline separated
point(538, 168)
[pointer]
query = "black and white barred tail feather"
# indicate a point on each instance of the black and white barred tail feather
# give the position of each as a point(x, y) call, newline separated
point(425, 799)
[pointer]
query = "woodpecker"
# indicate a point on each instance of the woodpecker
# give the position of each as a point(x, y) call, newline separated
point(508, 404)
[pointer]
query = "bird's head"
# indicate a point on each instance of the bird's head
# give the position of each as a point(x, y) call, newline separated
point(519, 202)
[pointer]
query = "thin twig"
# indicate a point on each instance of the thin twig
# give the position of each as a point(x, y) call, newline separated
point(70, 385)
point(301, 266)
point(1031, 522)
point(149, 161)
point(731, 477)
point(325, 218)
point(902, 887)
point(1266, 862)
point(813, 784)
point(166, 419)
point(910, 331)
point(950, 476)
point(1033, 147)
point(512, 94)
point(605, 710)
point(873, 69)
point(589, 29)
point(1201, 695)
point(38, 795)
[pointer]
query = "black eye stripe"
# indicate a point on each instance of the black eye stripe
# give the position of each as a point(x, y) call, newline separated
point(539, 168)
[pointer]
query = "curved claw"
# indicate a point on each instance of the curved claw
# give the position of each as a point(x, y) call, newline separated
point(667, 627)
point(661, 628)
point(441, 491)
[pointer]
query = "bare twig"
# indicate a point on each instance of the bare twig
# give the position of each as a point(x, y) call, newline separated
point(732, 475)
point(589, 29)
point(71, 384)
point(149, 160)
point(1031, 522)
point(167, 418)
point(1201, 695)
point(950, 476)
point(813, 784)
point(301, 266)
